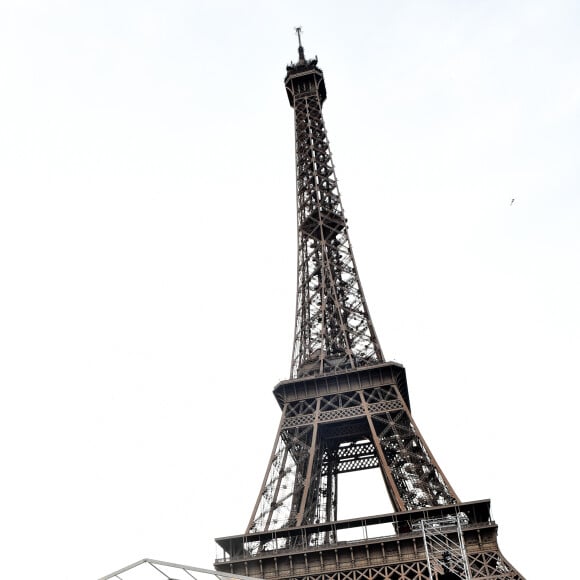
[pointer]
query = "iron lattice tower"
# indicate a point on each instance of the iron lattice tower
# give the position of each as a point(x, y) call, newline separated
point(334, 330)
point(346, 409)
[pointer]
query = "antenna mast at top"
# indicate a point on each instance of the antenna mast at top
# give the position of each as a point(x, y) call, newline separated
point(298, 30)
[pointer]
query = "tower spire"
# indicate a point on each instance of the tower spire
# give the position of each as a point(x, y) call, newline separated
point(301, 58)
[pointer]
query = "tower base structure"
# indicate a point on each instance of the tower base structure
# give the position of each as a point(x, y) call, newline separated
point(389, 547)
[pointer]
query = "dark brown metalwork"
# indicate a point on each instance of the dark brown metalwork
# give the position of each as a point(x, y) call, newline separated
point(333, 326)
point(345, 409)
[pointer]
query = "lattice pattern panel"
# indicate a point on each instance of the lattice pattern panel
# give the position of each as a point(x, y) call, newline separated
point(492, 565)
point(301, 407)
point(382, 393)
point(343, 413)
point(340, 401)
point(355, 456)
point(405, 571)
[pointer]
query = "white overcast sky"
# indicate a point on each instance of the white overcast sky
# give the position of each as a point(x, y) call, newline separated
point(147, 259)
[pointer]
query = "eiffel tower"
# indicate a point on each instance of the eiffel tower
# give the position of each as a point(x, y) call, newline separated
point(346, 409)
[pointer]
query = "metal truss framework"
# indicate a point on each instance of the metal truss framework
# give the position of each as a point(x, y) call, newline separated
point(346, 430)
point(333, 326)
point(345, 409)
point(148, 569)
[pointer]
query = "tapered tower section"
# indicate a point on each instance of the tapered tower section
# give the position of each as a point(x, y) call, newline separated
point(333, 325)
point(345, 409)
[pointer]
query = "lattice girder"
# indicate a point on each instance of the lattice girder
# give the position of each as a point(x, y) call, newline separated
point(491, 565)
point(333, 326)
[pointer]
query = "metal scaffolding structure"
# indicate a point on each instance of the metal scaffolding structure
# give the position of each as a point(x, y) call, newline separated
point(346, 409)
point(444, 546)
